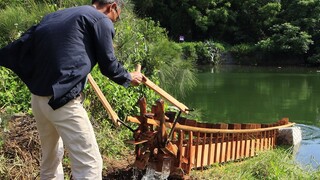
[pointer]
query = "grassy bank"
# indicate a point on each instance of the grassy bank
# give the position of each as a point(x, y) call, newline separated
point(275, 164)
point(19, 157)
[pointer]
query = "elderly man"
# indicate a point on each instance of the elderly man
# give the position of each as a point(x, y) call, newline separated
point(53, 58)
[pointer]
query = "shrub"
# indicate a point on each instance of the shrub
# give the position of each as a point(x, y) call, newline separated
point(202, 53)
point(314, 59)
point(243, 53)
point(286, 38)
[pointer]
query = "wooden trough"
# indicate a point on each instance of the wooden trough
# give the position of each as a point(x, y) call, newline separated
point(196, 145)
point(189, 144)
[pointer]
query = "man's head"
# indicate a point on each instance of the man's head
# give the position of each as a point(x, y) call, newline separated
point(103, 2)
point(111, 8)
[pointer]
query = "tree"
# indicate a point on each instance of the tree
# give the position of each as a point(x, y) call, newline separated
point(286, 38)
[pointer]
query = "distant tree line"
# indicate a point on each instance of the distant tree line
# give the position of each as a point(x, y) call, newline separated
point(264, 29)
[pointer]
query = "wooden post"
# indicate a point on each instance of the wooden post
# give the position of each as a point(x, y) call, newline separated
point(210, 151)
point(190, 152)
point(204, 154)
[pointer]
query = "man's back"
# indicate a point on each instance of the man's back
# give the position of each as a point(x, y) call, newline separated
point(54, 57)
point(64, 50)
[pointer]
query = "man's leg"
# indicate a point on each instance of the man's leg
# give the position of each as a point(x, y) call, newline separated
point(51, 143)
point(76, 131)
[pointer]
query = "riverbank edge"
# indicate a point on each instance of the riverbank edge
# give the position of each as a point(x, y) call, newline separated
point(20, 149)
point(228, 58)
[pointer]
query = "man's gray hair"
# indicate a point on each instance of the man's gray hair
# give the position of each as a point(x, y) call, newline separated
point(102, 2)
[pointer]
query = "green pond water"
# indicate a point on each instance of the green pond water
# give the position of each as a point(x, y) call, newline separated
point(242, 94)
point(237, 94)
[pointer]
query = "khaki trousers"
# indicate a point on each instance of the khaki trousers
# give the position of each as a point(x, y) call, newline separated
point(68, 126)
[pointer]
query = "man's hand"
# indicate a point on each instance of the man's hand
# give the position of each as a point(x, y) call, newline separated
point(137, 78)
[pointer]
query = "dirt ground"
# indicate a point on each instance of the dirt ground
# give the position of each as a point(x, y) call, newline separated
point(21, 149)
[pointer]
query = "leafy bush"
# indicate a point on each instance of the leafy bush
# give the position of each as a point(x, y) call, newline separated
point(14, 95)
point(242, 50)
point(144, 41)
point(314, 60)
point(286, 38)
point(202, 53)
point(189, 52)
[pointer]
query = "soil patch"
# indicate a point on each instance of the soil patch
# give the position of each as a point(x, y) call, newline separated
point(21, 150)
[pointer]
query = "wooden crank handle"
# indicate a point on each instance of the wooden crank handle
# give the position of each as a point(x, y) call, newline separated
point(138, 67)
point(163, 93)
point(113, 115)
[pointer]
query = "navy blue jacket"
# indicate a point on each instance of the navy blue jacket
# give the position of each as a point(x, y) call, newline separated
point(55, 56)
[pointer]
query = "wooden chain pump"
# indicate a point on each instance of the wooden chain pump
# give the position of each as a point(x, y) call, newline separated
point(186, 143)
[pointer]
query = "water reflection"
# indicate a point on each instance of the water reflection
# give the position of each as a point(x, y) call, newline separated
point(237, 94)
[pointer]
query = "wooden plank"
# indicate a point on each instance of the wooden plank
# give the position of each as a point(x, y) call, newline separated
point(223, 151)
point(161, 92)
point(165, 95)
point(228, 148)
point(174, 136)
point(257, 140)
point(265, 141)
point(238, 147)
point(223, 143)
point(216, 149)
point(261, 141)
point(210, 150)
point(250, 137)
point(112, 114)
point(197, 159)
point(204, 154)
point(245, 141)
point(180, 144)
point(247, 145)
point(275, 137)
point(233, 148)
point(268, 140)
point(234, 144)
point(253, 147)
point(191, 152)
point(136, 142)
point(242, 145)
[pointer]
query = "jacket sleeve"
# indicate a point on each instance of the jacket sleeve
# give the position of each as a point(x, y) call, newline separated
point(17, 55)
point(108, 63)
point(9, 54)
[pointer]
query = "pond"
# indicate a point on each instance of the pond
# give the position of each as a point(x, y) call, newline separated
point(242, 94)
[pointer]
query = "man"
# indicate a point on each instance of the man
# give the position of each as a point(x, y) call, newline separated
point(53, 59)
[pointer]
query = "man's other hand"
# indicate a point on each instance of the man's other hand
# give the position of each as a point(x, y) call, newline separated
point(137, 78)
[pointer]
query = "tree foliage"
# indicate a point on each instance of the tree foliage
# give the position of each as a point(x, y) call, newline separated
point(137, 41)
point(286, 38)
point(255, 22)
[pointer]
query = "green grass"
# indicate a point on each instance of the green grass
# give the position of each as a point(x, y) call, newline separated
point(275, 164)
